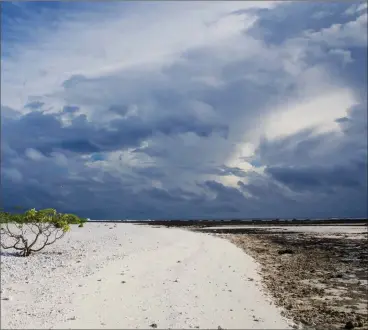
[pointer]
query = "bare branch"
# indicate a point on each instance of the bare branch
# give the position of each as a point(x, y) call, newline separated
point(34, 230)
point(10, 233)
point(46, 243)
point(14, 246)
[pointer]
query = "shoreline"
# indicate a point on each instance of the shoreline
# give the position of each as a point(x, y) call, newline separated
point(319, 276)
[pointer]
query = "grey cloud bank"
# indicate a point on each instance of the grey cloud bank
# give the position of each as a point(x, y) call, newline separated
point(253, 119)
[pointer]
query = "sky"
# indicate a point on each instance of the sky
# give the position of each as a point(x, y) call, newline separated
point(185, 110)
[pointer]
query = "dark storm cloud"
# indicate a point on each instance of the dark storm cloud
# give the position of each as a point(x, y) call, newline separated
point(34, 105)
point(312, 178)
point(45, 132)
point(70, 108)
point(156, 143)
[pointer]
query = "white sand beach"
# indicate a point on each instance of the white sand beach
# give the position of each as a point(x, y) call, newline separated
point(114, 276)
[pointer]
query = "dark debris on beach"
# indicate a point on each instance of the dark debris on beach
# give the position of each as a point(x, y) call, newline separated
point(320, 281)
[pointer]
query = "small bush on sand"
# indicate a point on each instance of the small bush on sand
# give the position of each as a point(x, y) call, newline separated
point(34, 230)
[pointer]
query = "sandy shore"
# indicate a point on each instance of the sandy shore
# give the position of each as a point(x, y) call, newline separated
point(129, 276)
point(317, 273)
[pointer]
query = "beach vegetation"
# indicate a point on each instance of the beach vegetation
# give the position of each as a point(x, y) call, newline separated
point(33, 230)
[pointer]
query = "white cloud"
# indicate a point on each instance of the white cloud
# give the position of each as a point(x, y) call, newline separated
point(351, 34)
point(356, 8)
point(115, 40)
point(320, 112)
point(60, 159)
point(33, 154)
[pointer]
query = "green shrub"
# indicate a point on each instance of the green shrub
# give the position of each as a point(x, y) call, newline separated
point(34, 230)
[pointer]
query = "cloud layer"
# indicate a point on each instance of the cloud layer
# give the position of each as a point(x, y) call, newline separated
point(185, 110)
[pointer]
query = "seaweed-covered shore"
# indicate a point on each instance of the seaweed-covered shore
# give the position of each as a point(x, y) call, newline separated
point(321, 281)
